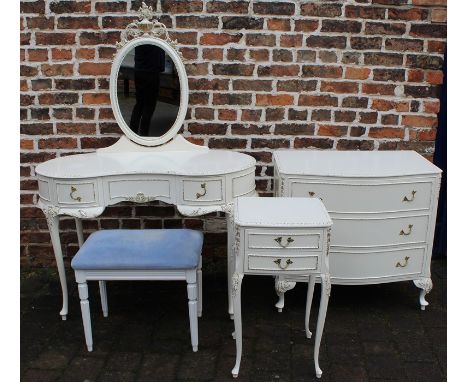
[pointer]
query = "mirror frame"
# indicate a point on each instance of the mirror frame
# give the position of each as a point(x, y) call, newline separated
point(150, 32)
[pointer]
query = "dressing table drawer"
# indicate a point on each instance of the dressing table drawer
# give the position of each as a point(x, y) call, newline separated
point(381, 264)
point(139, 189)
point(203, 190)
point(377, 197)
point(283, 240)
point(280, 263)
point(383, 231)
point(77, 193)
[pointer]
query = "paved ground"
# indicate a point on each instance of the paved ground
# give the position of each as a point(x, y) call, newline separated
point(372, 333)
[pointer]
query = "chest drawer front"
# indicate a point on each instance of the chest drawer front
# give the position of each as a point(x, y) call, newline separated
point(353, 265)
point(280, 263)
point(78, 193)
point(382, 197)
point(379, 232)
point(202, 190)
point(283, 240)
point(139, 190)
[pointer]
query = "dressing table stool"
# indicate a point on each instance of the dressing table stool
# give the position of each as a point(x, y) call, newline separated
point(281, 237)
point(150, 254)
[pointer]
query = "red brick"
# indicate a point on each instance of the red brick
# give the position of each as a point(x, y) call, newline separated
point(327, 42)
point(290, 41)
point(57, 70)
point(306, 25)
point(72, 22)
point(339, 87)
point(95, 38)
point(111, 7)
point(358, 12)
point(96, 99)
point(213, 54)
point(317, 100)
point(432, 107)
point(38, 54)
point(321, 10)
point(227, 7)
point(341, 26)
point(61, 54)
point(279, 24)
point(227, 143)
point(261, 40)
point(227, 115)
point(381, 89)
point(429, 30)
point(58, 143)
point(74, 128)
point(276, 100)
point(40, 22)
point(435, 77)
point(278, 70)
point(26, 144)
point(274, 8)
point(386, 132)
point(70, 7)
point(419, 121)
point(219, 38)
point(357, 73)
point(55, 38)
point(195, 22)
point(408, 14)
point(95, 68)
point(415, 75)
point(436, 46)
point(85, 53)
point(332, 130)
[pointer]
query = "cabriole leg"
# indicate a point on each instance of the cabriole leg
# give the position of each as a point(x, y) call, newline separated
point(192, 305)
point(325, 295)
point(230, 263)
point(85, 314)
point(310, 295)
point(103, 293)
point(425, 284)
point(236, 295)
point(53, 223)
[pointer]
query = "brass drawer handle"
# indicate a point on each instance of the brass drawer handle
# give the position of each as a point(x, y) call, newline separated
point(406, 199)
point(287, 264)
point(279, 240)
point(312, 195)
point(399, 265)
point(410, 228)
point(72, 190)
point(203, 186)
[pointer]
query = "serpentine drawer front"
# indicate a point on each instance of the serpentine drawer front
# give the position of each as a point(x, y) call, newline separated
point(202, 190)
point(351, 197)
point(377, 264)
point(383, 205)
point(76, 193)
point(382, 231)
point(283, 239)
point(154, 188)
point(272, 263)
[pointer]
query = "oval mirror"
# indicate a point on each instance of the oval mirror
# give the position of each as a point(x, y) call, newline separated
point(149, 90)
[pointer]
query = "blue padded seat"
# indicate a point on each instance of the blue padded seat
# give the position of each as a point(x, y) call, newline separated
point(140, 249)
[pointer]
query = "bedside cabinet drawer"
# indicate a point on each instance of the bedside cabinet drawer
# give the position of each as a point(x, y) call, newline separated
point(77, 193)
point(379, 232)
point(283, 240)
point(202, 190)
point(354, 265)
point(378, 197)
point(271, 263)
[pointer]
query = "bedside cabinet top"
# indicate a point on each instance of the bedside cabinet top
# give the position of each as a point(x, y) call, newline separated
point(281, 212)
point(353, 163)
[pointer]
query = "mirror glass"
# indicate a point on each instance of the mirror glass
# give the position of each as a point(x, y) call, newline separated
point(148, 90)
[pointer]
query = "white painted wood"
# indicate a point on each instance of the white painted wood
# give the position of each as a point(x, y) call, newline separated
point(206, 190)
point(310, 295)
point(79, 231)
point(85, 314)
point(103, 293)
point(383, 205)
point(171, 51)
point(200, 291)
point(285, 239)
point(193, 278)
point(280, 263)
point(284, 218)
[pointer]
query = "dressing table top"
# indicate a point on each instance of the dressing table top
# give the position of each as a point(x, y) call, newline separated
point(353, 163)
point(188, 163)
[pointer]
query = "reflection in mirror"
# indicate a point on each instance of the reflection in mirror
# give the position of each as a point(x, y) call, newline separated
point(148, 91)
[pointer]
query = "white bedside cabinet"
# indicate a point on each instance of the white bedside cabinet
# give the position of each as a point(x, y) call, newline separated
point(281, 237)
point(383, 205)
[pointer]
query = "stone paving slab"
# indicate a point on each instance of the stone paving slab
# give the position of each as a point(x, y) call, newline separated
point(372, 333)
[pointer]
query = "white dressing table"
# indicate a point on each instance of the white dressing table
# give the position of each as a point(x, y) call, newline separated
point(140, 169)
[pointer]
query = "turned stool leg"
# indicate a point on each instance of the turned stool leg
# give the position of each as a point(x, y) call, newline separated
point(200, 289)
point(103, 293)
point(192, 305)
point(85, 313)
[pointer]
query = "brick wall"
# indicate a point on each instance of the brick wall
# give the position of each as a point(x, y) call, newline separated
point(344, 75)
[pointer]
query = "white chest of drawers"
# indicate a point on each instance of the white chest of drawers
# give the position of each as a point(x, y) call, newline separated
point(383, 205)
point(281, 237)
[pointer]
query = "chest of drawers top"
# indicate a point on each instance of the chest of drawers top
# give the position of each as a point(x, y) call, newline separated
point(359, 164)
